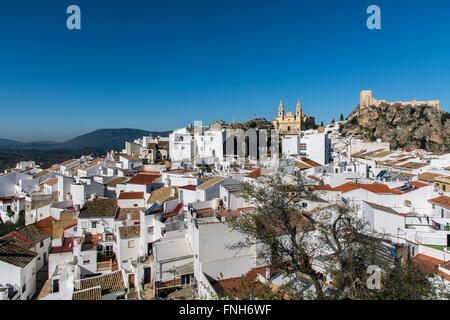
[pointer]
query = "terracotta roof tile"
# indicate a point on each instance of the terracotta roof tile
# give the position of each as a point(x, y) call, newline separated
point(109, 283)
point(100, 207)
point(14, 254)
point(163, 194)
point(311, 162)
point(188, 187)
point(255, 173)
point(142, 178)
point(443, 201)
point(426, 263)
point(46, 225)
point(131, 195)
point(123, 213)
point(210, 183)
point(88, 294)
point(127, 232)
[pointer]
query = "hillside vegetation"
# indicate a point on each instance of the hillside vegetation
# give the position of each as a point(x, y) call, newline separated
point(403, 126)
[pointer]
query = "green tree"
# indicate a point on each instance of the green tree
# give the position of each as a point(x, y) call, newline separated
point(341, 117)
point(405, 282)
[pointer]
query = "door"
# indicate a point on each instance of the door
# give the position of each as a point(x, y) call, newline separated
point(147, 276)
point(448, 240)
point(131, 280)
point(45, 258)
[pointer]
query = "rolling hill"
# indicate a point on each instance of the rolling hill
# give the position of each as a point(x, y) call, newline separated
point(102, 139)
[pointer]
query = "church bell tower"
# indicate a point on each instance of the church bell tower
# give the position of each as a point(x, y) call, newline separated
point(281, 109)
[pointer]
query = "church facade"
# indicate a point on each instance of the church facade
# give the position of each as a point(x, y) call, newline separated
point(286, 123)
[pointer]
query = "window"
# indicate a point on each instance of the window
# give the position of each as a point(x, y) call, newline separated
point(93, 224)
point(150, 230)
point(185, 279)
point(131, 244)
point(24, 288)
point(56, 285)
point(41, 244)
point(108, 251)
point(135, 205)
point(442, 213)
point(86, 260)
point(75, 229)
point(434, 206)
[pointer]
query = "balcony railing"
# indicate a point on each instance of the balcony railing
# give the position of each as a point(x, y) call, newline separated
point(104, 265)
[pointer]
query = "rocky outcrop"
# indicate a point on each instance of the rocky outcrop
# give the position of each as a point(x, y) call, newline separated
point(421, 127)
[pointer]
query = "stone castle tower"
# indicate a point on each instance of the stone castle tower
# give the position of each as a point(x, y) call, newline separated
point(366, 99)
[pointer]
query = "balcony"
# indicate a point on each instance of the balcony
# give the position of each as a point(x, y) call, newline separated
point(107, 263)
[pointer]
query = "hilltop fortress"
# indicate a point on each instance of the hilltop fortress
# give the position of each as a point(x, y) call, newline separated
point(366, 99)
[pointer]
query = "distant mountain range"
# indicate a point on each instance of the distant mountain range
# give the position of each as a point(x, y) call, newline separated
point(104, 139)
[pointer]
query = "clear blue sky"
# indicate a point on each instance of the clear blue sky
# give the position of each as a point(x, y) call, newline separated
point(158, 65)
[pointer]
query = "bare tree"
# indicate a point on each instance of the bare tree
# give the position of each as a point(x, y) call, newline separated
point(291, 238)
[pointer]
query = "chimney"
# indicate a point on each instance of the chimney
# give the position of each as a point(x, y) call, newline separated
point(173, 192)
point(267, 273)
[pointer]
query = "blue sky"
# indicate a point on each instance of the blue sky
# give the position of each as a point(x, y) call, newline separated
point(158, 65)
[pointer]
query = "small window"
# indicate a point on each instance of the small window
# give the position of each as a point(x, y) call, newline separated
point(41, 244)
point(56, 285)
point(86, 260)
point(24, 288)
point(135, 205)
point(93, 224)
point(185, 279)
point(150, 230)
point(131, 244)
point(75, 229)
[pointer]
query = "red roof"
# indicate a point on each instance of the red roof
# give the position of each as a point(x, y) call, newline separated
point(375, 188)
point(131, 195)
point(46, 225)
point(150, 172)
point(188, 187)
point(443, 201)
point(325, 187)
point(255, 173)
point(142, 178)
point(174, 212)
point(311, 162)
point(66, 247)
point(418, 184)
point(426, 263)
